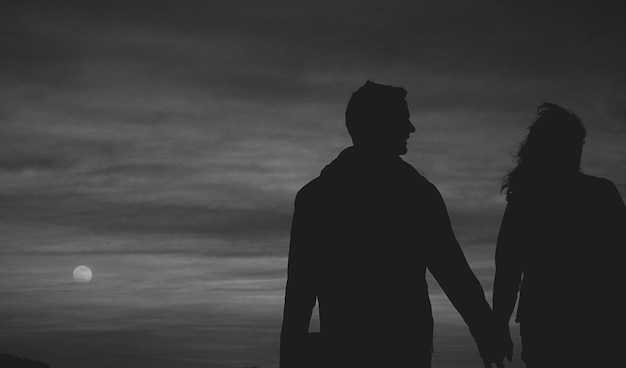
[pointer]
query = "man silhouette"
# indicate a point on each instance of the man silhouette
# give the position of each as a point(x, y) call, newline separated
point(362, 236)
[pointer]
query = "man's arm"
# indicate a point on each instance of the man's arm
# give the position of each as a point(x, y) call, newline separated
point(448, 265)
point(300, 293)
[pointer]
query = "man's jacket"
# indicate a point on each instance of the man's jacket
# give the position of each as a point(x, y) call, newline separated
point(363, 234)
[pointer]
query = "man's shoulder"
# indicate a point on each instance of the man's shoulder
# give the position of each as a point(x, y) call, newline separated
point(310, 191)
point(416, 178)
point(411, 170)
point(328, 184)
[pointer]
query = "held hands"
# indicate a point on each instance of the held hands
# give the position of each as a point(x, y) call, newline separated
point(495, 346)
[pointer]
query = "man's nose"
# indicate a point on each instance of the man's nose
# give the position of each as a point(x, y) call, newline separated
point(411, 127)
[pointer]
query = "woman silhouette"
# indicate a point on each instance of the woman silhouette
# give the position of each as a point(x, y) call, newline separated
point(559, 246)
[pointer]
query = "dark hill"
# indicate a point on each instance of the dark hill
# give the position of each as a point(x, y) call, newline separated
point(11, 361)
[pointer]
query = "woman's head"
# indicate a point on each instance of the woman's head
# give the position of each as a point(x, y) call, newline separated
point(553, 147)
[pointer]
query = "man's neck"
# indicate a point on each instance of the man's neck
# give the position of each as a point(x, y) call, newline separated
point(374, 151)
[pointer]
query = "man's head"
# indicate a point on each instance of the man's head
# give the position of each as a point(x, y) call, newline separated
point(377, 118)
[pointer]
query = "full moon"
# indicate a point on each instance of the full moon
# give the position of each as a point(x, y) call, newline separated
point(82, 274)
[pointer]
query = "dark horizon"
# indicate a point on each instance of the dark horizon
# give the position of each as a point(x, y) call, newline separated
point(162, 145)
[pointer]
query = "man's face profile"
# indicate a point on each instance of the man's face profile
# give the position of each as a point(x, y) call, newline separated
point(377, 118)
point(394, 131)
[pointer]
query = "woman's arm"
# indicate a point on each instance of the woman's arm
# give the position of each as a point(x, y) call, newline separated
point(508, 271)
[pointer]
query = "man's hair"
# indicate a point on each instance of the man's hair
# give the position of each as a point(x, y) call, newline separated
point(556, 133)
point(369, 106)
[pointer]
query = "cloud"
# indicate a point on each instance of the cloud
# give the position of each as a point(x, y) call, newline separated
point(163, 144)
point(155, 227)
point(25, 163)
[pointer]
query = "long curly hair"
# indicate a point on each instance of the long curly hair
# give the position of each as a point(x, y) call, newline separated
point(552, 147)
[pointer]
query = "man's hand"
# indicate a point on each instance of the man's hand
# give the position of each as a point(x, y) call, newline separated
point(495, 347)
point(498, 364)
point(492, 357)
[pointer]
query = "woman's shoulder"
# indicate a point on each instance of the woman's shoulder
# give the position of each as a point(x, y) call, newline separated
point(600, 189)
point(595, 182)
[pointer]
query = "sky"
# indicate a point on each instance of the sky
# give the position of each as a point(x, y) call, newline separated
point(161, 143)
